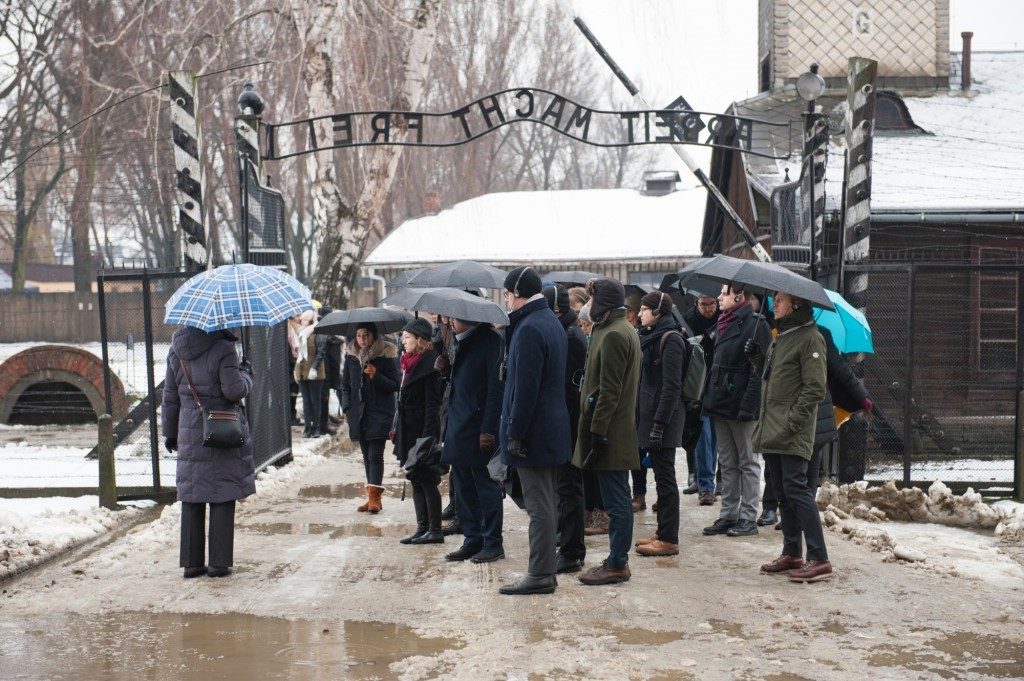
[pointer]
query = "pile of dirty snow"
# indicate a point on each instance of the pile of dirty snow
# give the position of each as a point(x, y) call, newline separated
point(887, 502)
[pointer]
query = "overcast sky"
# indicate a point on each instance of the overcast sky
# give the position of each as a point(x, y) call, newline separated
point(706, 50)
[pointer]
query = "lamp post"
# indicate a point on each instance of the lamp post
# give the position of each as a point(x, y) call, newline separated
point(810, 86)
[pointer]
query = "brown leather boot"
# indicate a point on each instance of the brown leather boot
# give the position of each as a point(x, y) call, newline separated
point(639, 502)
point(602, 574)
point(782, 564)
point(374, 492)
point(600, 525)
point(363, 508)
point(812, 571)
point(646, 540)
point(658, 548)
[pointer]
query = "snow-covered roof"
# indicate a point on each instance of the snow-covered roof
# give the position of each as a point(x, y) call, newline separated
point(545, 226)
point(969, 159)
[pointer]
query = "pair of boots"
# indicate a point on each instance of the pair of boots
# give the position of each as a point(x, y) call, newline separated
point(373, 499)
point(597, 523)
point(311, 431)
point(428, 519)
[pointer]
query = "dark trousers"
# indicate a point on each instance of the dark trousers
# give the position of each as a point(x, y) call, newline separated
point(769, 502)
point(540, 499)
point(592, 492)
point(325, 405)
point(311, 403)
point(639, 476)
point(664, 461)
point(193, 534)
point(615, 494)
point(797, 508)
point(373, 460)
point(426, 499)
point(478, 503)
point(571, 516)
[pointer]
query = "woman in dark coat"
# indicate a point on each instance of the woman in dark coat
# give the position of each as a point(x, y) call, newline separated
point(205, 475)
point(419, 400)
point(370, 381)
point(660, 414)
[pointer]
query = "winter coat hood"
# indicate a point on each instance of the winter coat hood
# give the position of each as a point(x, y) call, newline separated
point(380, 348)
point(190, 343)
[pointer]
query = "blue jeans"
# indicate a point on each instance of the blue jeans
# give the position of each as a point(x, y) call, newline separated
point(707, 455)
point(615, 493)
point(479, 505)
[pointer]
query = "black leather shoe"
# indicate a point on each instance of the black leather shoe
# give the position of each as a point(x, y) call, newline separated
point(743, 528)
point(420, 531)
point(565, 565)
point(449, 511)
point(778, 525)
point(463, 553)
point(454, 527)
point(690, 489)
point(429, 537)
point(488, 556)
point(768, 517)
point(530, 584)
point(720, 526)
point(195, 572)
point(215, 571)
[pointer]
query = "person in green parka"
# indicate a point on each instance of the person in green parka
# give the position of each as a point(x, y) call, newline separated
point(607, 442)
point(793, 377)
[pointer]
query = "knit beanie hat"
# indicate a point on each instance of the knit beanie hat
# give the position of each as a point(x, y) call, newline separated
point(420, 328)
point(658, 301)
point(524, 282)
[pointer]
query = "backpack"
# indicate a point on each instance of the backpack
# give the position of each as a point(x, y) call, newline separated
point(694, 366)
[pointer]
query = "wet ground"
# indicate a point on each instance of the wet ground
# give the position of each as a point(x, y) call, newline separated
point(322, 592)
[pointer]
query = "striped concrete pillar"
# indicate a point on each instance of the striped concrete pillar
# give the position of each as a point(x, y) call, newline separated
point(860, 123)
point(190, 181)
point(815, 149)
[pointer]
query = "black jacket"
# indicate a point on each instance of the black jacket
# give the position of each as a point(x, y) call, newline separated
point(474, 397)
point(844, 389)
point(369, 405)
point(661, 382)
point(418, 402)
point(733, 390)
point(575, 363)
point(333, 362)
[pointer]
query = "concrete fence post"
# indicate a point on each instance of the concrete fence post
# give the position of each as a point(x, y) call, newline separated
point(105, 450)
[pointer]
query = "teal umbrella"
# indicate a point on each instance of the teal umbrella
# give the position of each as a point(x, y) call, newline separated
point(850, 329)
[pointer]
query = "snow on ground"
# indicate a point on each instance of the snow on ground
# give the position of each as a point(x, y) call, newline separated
point(24, 465)
point(129, 365)
point(960, 470)
point(887, 502)
point(34, 530)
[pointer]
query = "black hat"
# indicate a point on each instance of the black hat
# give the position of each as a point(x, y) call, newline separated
point(420, 328)
point(523, 282)
point(550, 294)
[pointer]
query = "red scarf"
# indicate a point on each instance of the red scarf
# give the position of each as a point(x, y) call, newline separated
point(408, 362)
point(726, 319)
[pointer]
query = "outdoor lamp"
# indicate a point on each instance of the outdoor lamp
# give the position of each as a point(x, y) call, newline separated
point(810, 85)
point(249, 102)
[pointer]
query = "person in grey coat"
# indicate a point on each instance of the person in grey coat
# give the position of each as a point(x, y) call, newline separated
point(205, 475)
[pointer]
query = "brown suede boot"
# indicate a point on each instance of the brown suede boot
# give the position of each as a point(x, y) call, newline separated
point(812, 571)
point(363, 508)
point(646, 540)
point(782, 564)
point(374, 504)
point(602, 574)
point(599, 526)
point(639, 502)
point(658, 548)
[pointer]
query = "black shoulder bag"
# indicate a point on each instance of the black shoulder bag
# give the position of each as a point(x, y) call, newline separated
point(222, 428)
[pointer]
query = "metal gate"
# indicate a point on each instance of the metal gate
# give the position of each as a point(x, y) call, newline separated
point(946, 377)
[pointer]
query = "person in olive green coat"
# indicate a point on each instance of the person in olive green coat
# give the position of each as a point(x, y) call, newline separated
point(793, 383)
point(607, 441)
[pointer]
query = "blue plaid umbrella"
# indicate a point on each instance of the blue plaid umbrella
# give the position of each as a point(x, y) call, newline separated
point(235, 296)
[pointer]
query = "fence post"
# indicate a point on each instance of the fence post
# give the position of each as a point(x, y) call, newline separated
point(105, 352)
point(147, 322)
point(908, 382)
point(105, 449)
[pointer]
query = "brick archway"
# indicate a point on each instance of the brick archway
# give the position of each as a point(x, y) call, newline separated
point(62, 363)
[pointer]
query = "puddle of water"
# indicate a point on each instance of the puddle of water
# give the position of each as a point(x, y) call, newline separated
point(201, 646)
point(333, 531)
point(834, 627)
point(348, 490)
point(725, 627)
point(952, 655)
point(632, 636)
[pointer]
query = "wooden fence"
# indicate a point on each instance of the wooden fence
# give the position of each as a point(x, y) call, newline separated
point(75, 317)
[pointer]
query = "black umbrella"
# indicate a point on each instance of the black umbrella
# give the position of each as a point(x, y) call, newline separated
point(635, 290)
point(570, 277)
point(464, 274)
point(345, 322)
point(401, 279)
point(765, 276)
point(697, 286)
point(450, 302)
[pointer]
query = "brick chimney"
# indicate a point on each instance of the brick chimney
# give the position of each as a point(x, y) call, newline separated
point(965, 72)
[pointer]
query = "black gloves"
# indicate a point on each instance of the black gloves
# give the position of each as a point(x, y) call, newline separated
point(517, 449)
point(245, 366)
point(751, 348)
point(657, 435)
point(598, 448)
point(171, 443)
